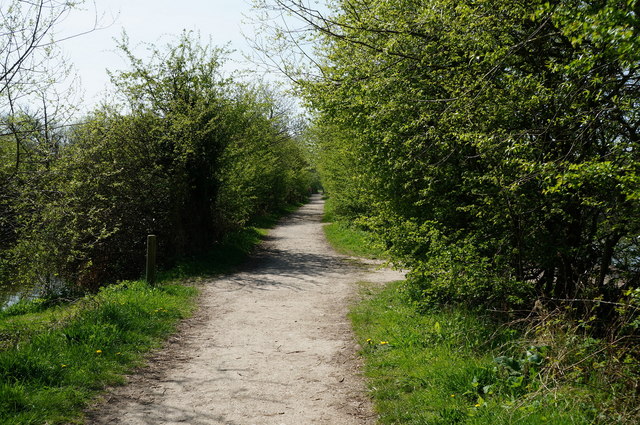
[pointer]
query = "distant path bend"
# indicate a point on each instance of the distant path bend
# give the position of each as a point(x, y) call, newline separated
point(269, 345)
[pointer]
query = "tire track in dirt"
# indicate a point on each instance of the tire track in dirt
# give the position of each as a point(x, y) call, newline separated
point(270, 344)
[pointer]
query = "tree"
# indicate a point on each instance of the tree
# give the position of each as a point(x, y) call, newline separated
point(35, 101)
point(32, 69)
point(188, 155)
point(504, 127)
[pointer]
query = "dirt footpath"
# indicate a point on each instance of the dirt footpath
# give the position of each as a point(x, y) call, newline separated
point(269, 345)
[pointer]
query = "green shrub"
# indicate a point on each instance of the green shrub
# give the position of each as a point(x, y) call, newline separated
point(454, 270)
point(190, 156)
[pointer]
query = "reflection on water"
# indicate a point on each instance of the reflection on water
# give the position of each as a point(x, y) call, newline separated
point(11, 294)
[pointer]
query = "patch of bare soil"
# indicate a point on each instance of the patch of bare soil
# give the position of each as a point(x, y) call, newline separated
point(269, 345)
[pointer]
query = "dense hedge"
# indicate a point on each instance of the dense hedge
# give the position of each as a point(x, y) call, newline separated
point(185, 153)
point(492, 145)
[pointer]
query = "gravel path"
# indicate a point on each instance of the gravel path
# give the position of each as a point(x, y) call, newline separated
point(270, 344)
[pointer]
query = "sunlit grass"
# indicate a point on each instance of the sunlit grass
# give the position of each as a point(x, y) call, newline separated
point(440, 368)
point(48, 374)
point(350, 240)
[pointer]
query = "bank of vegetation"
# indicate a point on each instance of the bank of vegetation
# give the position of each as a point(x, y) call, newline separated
point(492, 148)
point(182, 152)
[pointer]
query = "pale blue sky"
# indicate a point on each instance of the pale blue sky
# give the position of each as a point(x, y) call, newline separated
point(149, 21)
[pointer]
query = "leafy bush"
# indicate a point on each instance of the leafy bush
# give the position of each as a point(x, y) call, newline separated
point(188, 155)
point(452, 270)
point(510, 127)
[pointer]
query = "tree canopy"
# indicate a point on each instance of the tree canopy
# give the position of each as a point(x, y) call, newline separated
point(497, 136)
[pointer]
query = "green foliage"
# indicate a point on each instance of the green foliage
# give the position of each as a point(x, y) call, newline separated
point(510, 128)
point(33, 107)
point(344, 180)
point(188, 155)
point(446, 272)
point(263, 169)
point(229, 253)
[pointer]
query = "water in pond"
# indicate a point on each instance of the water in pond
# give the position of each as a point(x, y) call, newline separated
point(13, 294)
point(10, 295)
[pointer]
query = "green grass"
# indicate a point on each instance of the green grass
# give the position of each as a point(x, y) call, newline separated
point(444, 368)
point(59, 358)
point(56, 356)
point(349, 240)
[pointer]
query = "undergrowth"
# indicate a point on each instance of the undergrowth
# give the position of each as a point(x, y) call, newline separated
point(230, 253)
point(456, 366)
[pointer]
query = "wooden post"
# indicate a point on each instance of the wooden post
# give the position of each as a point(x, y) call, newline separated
point(151, 259)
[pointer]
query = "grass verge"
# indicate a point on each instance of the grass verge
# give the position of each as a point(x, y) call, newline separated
point(64, 354)
point(55, 357)
point(459, 367)
point(350, 240)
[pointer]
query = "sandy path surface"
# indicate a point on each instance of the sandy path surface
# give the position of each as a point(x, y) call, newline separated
point(269, 345)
